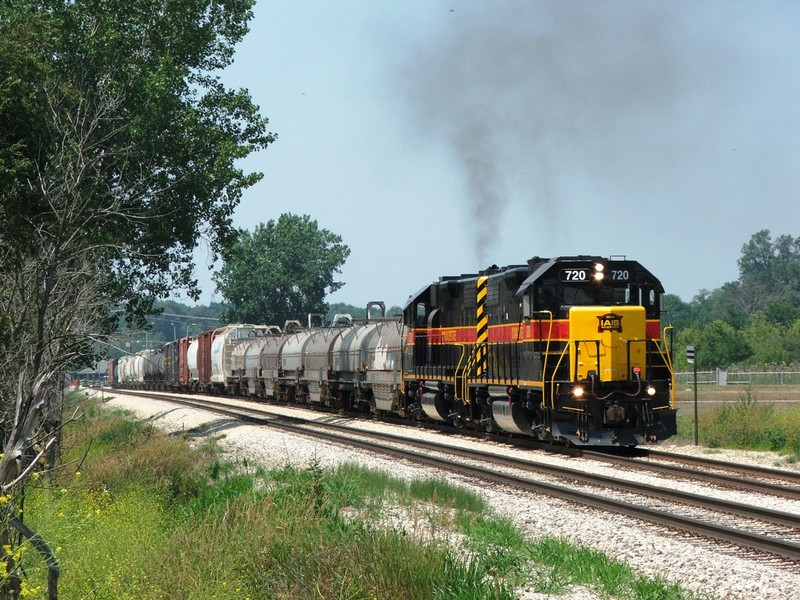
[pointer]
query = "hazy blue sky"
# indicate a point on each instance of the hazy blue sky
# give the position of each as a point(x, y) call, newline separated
point(438, 138)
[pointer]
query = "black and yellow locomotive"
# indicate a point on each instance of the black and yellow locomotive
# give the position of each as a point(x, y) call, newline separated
point(569, 349)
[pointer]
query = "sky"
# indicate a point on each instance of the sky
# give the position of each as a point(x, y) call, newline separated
point(438, 138)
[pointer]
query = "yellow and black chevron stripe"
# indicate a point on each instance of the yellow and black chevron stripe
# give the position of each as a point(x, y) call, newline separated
point(481, 329)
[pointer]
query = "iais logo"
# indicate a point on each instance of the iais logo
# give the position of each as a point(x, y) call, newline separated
point(609, 322)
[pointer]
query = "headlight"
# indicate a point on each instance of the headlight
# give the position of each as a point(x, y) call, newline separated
point(577, 391)
point(651, 391)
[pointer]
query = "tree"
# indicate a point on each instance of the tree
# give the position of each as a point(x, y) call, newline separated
point(770, 272)
point(792, 341)
point(768, 340)
point(281, 271)
point(721, 346)
point(117, 152)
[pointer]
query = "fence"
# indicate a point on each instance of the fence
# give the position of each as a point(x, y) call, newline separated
point(723, 377)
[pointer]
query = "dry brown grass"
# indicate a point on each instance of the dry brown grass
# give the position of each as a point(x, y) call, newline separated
point(131, 452)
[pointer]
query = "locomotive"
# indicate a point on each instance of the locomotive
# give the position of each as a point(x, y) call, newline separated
point(568, 350)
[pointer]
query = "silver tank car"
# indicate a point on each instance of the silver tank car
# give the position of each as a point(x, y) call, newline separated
point(293, 365)
point(124, 369)
point(223, 344)
point(270, 368)
point(152, 367)
point(315, 380)
point(240, 380)
point(191, 361)
point(136, 373)
point(384, 362)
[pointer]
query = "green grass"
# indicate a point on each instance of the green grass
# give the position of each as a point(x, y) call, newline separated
point(149, 517)
point(747, 424)
point(563, 565)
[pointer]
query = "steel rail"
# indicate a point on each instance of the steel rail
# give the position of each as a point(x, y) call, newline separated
point(789, 476)
point(765, 487)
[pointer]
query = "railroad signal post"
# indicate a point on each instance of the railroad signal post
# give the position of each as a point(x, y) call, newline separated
point(690, 358)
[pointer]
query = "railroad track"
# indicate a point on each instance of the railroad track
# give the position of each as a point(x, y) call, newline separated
point(744, 477)
point(776, 482)
point(774, 533)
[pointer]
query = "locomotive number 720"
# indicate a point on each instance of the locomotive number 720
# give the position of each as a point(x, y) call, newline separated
point(574, 275)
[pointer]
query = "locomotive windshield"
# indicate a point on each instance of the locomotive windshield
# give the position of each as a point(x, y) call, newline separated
point(554, 297)
point(555, 285)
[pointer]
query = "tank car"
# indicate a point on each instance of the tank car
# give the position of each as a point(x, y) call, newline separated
point(244, 372)
point(152, 362)
point(270, 370)
point(225, 376)
point(568, 350)
point(382, 379)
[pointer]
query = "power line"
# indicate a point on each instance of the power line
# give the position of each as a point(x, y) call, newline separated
point(192, 317)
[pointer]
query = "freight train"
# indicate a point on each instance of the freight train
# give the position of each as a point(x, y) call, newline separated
point(568, 350)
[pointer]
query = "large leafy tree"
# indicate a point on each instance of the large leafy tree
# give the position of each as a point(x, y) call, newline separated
point(281, 271)
point(718, 345)
point(126, 100)
point(118, 150)
point(769, 272)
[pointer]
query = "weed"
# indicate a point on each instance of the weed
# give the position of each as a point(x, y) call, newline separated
point(747, 424)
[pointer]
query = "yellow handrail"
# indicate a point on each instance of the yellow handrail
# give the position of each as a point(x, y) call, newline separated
point(547, 353)
point(668, 361)
point(458, 368)
point(553, 378)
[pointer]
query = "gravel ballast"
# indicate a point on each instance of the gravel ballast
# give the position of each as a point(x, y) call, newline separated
point(695, 564)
